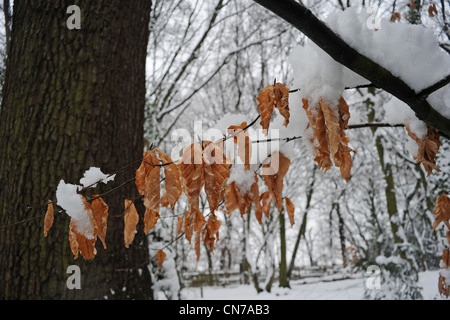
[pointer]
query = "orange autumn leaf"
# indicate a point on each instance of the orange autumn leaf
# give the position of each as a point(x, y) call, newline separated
point(211, 232)
point(273, 174)
point(100, 213)
point(172, 180)
point(79, 243)
point(270, 96)
point(290, 209)
point(192, 177)
point(443, 288)
point(428, 149)
point(266, 101)
point(150, 219)
point(197, 245)
point(328, 136)
point(395, 16)
point(242, 139)
point(148, 180)
point(82, 242)
point(131, 219)
point(442, 211)
point(432, 10)
point(266, 201)
point(319, 139)
point(216, 171)
point(160, 256)
point(48, 220)
point(179, 225)
point(282, 101)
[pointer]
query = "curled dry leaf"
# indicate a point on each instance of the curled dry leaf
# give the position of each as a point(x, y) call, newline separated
point(442, 211)
point(148, 184)
point(211, 232)
point(216, 171)
point(273, 174)
point(100, 213)
point(179, 225)
point(269, 96)
point(396, 16)
point(160, 256)
point(428, 148)
point(192, 178)
point(242, 139)
point(290, 209)
point(432, 10)
point(266, 201)
point(131, 219)
point(79, 242)
point(328, 135)
point(172, 180)
point(48, 220)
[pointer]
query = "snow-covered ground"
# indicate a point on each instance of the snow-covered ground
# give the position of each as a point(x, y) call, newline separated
point(326, 288)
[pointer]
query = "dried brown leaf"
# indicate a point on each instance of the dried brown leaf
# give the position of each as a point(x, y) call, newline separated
point(48, 220)
point(442, 211)
point(131, 219)
point(100, 213)
point(160, 256)
point(172, 180)
point(290, 209)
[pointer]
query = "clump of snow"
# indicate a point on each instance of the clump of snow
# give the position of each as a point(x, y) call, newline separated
point(94, 175)
point(397, 112)
point(243, 179)
point(72, 202)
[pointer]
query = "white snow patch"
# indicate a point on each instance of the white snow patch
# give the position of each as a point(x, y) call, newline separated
point(72, 202)
point(94, 175)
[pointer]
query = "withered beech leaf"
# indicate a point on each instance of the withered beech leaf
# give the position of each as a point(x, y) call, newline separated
point(100, 212)
point(428, 149)
point(131, 219)
point(242, 139)
point(192, 178)
point(266, 100)
point(160, 256)
point(179, 225)
point(290, 209)
point(282, 101)
point(211, 232)
point(273, 174)
point(432, 10)
point(79, 243)
point(266, 201)
point(150, 219)
point(442, 211)
point(216, 171)
point(172, 179)
point(48, 220)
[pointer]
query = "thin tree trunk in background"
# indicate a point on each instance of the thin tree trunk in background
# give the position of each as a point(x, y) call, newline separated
point(341, 235)
point(72, 99)
point(302, 230)
point(283, 279)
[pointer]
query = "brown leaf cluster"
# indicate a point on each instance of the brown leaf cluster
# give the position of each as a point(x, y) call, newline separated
point(328, 136)
point(428, 149)
point(273, 96)
point(442, 211)
point(396, 16)
point(235, 199)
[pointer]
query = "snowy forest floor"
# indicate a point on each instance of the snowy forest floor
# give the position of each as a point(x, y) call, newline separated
point(324, 288)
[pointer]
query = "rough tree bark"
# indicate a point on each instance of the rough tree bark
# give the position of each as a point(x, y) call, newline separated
point(72, 99)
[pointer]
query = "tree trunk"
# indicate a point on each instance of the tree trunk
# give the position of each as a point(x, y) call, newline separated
point(72, 99)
